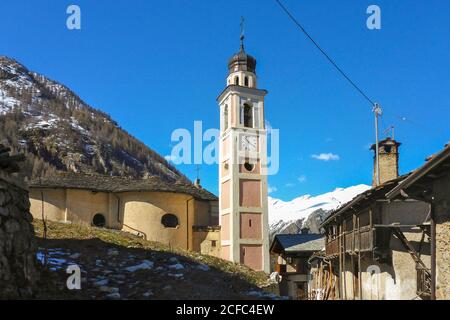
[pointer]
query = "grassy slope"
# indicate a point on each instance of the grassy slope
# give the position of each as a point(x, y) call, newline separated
point(93, 244)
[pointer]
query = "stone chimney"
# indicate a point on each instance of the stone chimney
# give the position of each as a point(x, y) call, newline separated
point(388, 154)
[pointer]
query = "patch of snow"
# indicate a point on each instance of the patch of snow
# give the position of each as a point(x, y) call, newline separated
point(101, 283)
point(203, 267)
point(148, 294)
point(177, 266)
point(113, 296)
point(43, 124)
point(113, 252)
point(261, 294)
point(75, 256)
point(145, 265)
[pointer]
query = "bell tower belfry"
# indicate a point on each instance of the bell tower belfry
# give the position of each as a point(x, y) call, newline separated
point(243, 166)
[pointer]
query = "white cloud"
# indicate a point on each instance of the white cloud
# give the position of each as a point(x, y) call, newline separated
point(272, 189)
point(326, 157)
point(289, 185)
point(302, 178)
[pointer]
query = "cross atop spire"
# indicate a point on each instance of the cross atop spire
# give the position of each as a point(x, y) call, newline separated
point(242, 33)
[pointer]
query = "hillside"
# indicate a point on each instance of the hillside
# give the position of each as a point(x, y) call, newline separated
point(117, 265)
point(308, 211)
point(58, 131)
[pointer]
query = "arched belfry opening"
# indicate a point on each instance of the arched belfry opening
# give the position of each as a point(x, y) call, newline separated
point(248, 116)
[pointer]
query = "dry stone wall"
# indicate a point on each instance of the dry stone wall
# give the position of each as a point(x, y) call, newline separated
point(18, 269)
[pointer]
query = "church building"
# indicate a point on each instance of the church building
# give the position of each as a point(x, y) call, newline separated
point(233, 226)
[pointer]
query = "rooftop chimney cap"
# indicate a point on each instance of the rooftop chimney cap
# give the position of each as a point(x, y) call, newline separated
point(386, 142)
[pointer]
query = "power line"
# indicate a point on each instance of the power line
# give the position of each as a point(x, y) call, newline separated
point(324, 53)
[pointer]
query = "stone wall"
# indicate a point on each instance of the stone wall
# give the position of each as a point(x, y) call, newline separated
point(442, 202)
point(18, 270)
point(443, 260)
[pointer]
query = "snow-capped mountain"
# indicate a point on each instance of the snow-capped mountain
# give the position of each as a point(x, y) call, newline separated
point(308, 211)
point(56, 130)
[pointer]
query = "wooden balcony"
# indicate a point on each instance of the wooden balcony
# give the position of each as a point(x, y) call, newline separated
point(361, 240)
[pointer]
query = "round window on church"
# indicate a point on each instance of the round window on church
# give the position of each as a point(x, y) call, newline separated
point(169, 221)
point(99, 221)
point(249, 167)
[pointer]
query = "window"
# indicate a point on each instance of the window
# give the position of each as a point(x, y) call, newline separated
point(225, 118)
point(99, 220)
point(250, 223)
point(236, 81)
point(169, 221)
point(248, 116)
point(249, 167)
point(213, 243)
point(246, 81)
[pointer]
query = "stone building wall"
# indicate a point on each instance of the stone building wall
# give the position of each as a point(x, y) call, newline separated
point(442, 198)
point(18, 270)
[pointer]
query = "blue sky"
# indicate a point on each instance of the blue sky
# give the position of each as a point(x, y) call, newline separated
point(156, 66)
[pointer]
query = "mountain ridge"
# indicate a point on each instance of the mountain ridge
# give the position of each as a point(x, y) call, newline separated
point(308, 211)
point(58, 131)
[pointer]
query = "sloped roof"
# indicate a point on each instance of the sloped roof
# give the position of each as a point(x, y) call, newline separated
point(434, 166)
point(101, 183)
point(294, 243)
point(365, 198)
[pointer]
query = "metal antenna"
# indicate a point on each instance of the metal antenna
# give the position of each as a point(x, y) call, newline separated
point(392, 130)
point(378, 112)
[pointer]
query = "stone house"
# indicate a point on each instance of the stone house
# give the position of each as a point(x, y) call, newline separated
point(378, 248)
point(178, 214)
point(292, 253)
point(431, 184)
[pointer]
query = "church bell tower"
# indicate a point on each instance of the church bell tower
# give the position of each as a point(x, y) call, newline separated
point(243, 166)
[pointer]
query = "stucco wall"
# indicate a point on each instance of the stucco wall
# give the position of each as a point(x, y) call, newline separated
point(54, 204)
point(143, 211)
point(207, 241)
point(249, 193)
point(251, 225)
point(251, 256)
point(135, 212)
point(83, 205)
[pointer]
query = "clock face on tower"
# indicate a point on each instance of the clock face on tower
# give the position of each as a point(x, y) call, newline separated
point(249, 142)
